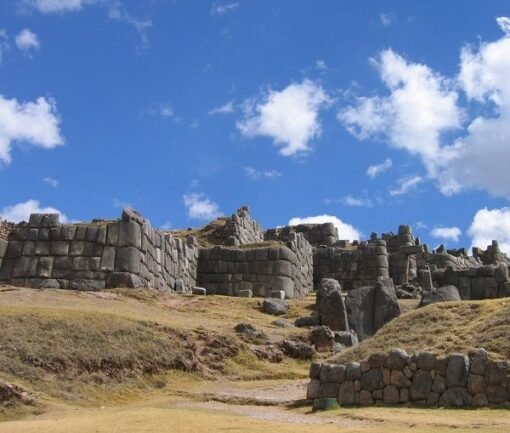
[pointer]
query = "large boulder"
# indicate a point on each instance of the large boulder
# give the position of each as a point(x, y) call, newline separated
point(332, 311)
point(443, 294)
point(369, 308)
point(275, 306)
point(322, 338)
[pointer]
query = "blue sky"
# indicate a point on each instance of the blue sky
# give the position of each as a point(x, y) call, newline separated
point(371, 114)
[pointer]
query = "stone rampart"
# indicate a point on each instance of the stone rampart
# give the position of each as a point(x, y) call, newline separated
point(317, 234)
point(44, 253)
point(353, 267)
point(288, 267)
point(483, 282)
point(421, 379)
point(239, 229)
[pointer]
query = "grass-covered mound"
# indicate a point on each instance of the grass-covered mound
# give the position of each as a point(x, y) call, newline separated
point(443, 328)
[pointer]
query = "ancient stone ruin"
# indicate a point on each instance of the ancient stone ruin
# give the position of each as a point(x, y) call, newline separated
point(420, 379)
point(234, 256)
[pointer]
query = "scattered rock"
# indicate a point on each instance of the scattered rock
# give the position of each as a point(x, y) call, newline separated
point(199, 291)
point(346, 338)
point(322, 338)
point(298, 349)
point(249, 333)
point(270, 353)
point(443, 294)
point(307, 321)
point(282, 323)
point(274, 306)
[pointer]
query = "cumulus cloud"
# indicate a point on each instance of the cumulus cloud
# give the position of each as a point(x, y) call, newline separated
point(422, 106)
point(27, 41)
point(199, 206)
point(51, 181)
point(406, 185)
point(35, 123)
point(226, 108)
point(289, 117)
point(261, 174)
point(377, 169)
point(222, 8)
point(489, 225)
point(21, 211)
point(345, 231)
point(448, 233)
point(163, 110)
point(504, 24)
point(352, 201)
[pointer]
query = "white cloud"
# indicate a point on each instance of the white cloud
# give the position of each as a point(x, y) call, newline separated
point(421, 106)
point(199, 206)
point(50, 181)
point(27, 41)
point(478, 160)
point(345, 231)
point(377, 169)
point(504, 24)
point(449, 233)
point(167, 225)
point(226, 108)
point(261, 174)
point(36, 123)
point(222, 8)
point(388, 18)
point(59, 6)
point(352, 201)
point(406, 185)
point(489, 225)
point(289, 116)
point(21, 211)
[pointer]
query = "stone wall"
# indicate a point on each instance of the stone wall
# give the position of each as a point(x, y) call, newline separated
point(353, 267)
point(317, 234)
point(239, 229)
point(288, 267)
point(44, 253)
point(483, 282)
point(421, 379)
point(6, 229)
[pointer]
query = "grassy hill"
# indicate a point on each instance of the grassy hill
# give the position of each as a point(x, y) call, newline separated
point(443, 328)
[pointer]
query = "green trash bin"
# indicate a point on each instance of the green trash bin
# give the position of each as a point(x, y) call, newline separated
point(325, 404)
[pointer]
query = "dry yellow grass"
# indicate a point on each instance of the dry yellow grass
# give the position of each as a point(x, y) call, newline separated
point(443, 328)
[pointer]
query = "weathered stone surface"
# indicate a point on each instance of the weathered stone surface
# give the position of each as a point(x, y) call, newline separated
point(313, 389)
point(353, 371)
point(426, 361)
point(274, 306)
point(421, 385)
point(391, 395)
point(332, 311)
point(298, 349)
point(397, 359)
point(201, 291)
point(399, 379)
point(315, 370)
point(496, 372)
point(86, 284)
point(443, 294)
point(476, 384)
point(346, 338)
point(377, 360)
point(307, 321)
point(125, 279)
point(497, 394)
point(128, 260)
point(130, 234)
point(245, 293)
point(322, 338)
point(455, 397)
point(480, 400)
point(457, 371)
point(346, 394)
point(372, 380)
point(332, 373)
point(439, 384)
point(365, 398)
